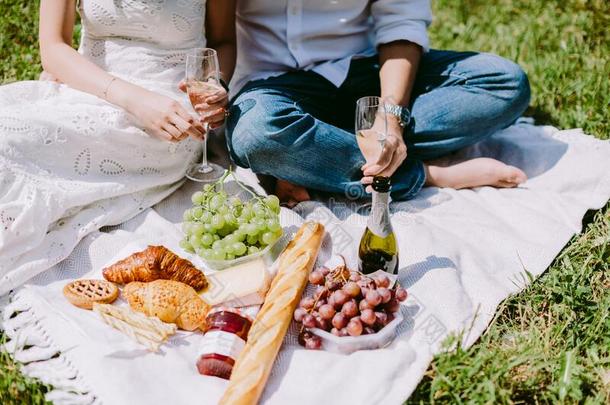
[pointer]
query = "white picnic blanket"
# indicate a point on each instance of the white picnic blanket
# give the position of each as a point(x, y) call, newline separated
point(461, 254)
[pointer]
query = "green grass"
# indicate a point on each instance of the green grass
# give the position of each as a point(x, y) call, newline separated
point(551, 342)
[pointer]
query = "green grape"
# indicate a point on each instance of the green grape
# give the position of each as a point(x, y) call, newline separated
point(195, 241)
point(219, 254)
point(208, 188)
point(278, 234)
point(259, 209)
point(251, 229)
point(206, 217)
point(217, 221)
point(239, 248)
point(208, 228)
point(240, 234)
point(197, 198)
point(230, 256)
point(216, 202)
point(268, 238)
point(223, 209)
point(197, 229)
point(242, 220)
point(273, 203)
point(229, 239)
point(184, 244)
point(218, 245)
point(247, 212)
point(224, 231)
point(187, 227)
point(230, 219)
point(235, 202)
point(207, 254)
point(207, 239)
point(186, 216)
point(252, 249)
point(273, 225)
point(216, 237)
point(197, 212)
point(252, 239)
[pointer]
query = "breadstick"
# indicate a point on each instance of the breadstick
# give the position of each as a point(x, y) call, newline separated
point(254, 364)
point(149, 331)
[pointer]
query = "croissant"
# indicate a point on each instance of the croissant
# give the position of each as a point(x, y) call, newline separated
point(153, 263)
point(170, 301)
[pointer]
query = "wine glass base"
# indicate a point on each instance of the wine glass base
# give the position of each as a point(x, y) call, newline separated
point(205, 174)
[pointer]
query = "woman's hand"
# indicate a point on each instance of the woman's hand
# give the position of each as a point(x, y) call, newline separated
point(393, 154)
point(213, 109)
point(161, 116)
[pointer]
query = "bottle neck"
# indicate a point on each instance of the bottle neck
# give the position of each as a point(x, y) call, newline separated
point(379, 219)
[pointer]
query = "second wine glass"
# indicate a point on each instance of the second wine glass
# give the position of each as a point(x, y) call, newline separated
point(202, 81)
point(371, 126)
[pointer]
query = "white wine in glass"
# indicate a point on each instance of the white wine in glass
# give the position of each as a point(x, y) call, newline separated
point(202, 81)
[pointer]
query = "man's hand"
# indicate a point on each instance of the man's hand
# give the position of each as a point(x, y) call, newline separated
point(213, 110)
point(393, 154)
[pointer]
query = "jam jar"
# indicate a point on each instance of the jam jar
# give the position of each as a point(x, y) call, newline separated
point(224, 339)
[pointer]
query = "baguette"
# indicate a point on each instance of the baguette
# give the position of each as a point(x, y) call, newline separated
point(254, 364)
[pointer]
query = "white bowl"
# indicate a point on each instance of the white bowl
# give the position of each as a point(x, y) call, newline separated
point(350, 344)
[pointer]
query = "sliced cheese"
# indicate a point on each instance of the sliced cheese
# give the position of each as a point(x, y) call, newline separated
point(242, 285)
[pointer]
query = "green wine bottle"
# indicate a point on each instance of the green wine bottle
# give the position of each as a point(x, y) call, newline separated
point(378, 249)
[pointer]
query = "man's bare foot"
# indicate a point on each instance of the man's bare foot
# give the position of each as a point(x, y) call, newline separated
point(290, 194)
point(475, 173)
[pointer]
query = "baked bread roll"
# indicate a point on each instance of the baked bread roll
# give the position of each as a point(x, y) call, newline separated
point(252, 368)
point(170, 301)
point(154, 263)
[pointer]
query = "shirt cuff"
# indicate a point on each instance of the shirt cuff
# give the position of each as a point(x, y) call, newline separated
point(412, 31)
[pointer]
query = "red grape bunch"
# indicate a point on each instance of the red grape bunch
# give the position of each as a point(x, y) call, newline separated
point(347, 303)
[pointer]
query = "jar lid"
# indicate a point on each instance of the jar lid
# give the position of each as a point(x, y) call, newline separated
point(248, 313)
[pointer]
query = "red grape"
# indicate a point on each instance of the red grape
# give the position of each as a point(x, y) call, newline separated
point(327, 311)
point(354, 276)
point(386, 295)
point(392, 306)
point(382, 318)
point(299, 313)
point(313, 342)
point(368, 317)
point(335, 331)
point(352, 289)
point(316, 277)
point(364, 304)
point(321, 293)
point(339, 320)
point(309, 321)
point(354, 327)
point(307, 302)
point(333, 285)
point(319, 303)
point(350, 309)
point(382, 281)
point(373, 298)
point(324, 271)
point(321, 323)
point(401, 294)
point(340, 297)
point(343, 332)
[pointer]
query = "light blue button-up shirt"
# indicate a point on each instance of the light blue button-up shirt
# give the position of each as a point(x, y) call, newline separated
point(278, 36)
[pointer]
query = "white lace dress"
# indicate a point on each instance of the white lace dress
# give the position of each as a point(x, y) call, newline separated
point(70, 162)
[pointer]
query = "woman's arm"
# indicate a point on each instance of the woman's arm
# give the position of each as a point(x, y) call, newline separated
point(162, 116)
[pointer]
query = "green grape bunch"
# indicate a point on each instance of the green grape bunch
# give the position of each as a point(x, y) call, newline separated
point(219, 227)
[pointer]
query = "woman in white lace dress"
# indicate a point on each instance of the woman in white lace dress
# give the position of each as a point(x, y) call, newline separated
point(113, 135)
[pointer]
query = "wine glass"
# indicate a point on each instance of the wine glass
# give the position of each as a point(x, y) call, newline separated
point(203, 80)
point(371, 126)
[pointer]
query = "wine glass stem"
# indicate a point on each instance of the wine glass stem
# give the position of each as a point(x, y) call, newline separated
point(204, 159)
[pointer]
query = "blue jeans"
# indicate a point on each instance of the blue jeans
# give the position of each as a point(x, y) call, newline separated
point(299, 127)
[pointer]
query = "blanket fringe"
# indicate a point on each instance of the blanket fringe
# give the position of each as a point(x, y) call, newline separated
point(29, 345)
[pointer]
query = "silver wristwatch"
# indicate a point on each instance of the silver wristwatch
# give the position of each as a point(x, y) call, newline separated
point(403, 114)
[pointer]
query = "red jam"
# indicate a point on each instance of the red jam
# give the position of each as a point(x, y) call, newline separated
point(224, 339)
